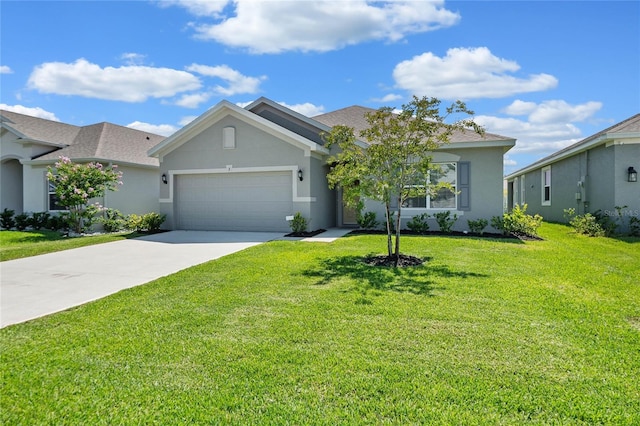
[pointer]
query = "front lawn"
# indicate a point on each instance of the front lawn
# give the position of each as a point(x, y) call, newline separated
point(485, 332)
point(18, 244)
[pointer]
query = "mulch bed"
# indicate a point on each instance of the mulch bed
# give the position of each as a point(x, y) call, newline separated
point(306, 234)
point(513, 236)
point(404, 261)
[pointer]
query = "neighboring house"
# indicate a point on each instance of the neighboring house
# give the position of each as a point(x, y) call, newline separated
point(29, 145)
point(591, 175)
point(250, 168)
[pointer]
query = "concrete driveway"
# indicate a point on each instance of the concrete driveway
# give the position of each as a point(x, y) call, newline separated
point(41, 285)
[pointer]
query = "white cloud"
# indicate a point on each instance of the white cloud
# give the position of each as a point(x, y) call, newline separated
point(466, 73)
point(32, 111)
point(133, 58)
point(307, 109)
point(548, 127)
point(193, 100)
point(320, 26)
point(128, 83)
point(187, 119)
point(391, 97)
point(236, 82)
point(4, 69)
point(158, 129)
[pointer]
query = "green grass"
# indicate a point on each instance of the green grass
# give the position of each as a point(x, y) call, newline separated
point(486, 332)
point(16, 244)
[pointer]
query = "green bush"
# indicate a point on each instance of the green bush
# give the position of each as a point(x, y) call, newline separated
point(477, 226)
point(299, 223)
point(113, 221)
point(22, 221)
point(6, 219)
point(497, 222)
point(634, 226)
point(59, 222)
point(418, 223)
point(519, 222)
point(153, 221)
point(149, 222)
point(39, 220)
point(445, 221)
point(587, 224)
point(368, 220)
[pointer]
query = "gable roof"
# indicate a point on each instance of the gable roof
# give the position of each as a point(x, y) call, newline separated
point(355, 116)
point(626, 129)
point(225, 108)
point(96, 142)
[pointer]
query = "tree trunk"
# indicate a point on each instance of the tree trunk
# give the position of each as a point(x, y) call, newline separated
point(389, 244)
point(397, 254)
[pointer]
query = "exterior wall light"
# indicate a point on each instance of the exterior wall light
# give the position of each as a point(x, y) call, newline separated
point(633, 175)
point(300, 175)
point(164, 178)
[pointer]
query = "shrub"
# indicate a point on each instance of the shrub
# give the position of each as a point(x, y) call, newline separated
point(113, 221)
point(368, 220)
point(634, 226)
point(39, 220)
point(22, 221)
point(153, 221)
point(419, 223)
point(477, 226)
point(59, 222)
point(445, 221)
point(587, 224)
point(6, 219)
point(520, 223)
point(497, 222)
point(299, 223)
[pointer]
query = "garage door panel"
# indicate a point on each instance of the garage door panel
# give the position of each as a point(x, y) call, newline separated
point(234, 201)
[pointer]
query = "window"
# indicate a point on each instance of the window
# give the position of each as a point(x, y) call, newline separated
point(522, 199)
point(52, 198)
point(444, 198)
point(546, 186)
point(516, 194)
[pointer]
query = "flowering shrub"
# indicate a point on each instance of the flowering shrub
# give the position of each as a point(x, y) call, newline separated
point(76, 184)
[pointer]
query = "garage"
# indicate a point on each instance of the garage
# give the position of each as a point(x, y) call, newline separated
point(234, 201)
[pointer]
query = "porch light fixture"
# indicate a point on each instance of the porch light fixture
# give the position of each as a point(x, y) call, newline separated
point(633, 175)
point(164, 178)
point(300, 175)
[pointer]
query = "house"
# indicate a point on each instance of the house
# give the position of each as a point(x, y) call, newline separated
point(595, 174)
point(29, 145)
point(251, 168)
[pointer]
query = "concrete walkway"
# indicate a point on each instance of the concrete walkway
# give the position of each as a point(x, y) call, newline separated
point(41, 285)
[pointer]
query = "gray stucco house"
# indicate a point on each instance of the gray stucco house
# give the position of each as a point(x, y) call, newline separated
point(29, 145)
point(596, 173)
point(250, 168)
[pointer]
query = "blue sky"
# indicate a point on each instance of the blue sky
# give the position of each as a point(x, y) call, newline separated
point(546, 73)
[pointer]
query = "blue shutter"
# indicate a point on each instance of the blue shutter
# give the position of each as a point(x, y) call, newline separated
point(464, 185)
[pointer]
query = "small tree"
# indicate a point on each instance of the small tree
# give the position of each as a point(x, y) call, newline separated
point(76, 184)
point(395, 163)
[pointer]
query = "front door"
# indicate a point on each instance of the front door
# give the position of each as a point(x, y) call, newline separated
point(349, 215)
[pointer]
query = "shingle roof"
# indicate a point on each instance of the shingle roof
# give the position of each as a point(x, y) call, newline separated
point(102, 141)
point(354, 116)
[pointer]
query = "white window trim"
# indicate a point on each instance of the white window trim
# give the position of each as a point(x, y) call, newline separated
point(523, 200)
point(543, 186)
point(516, 192)
point(428, 202)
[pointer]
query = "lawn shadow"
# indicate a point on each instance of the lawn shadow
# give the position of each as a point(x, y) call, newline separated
point(418, 280)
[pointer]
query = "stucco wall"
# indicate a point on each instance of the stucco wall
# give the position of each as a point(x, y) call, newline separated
point(254, 148)
point(486, 187)
point(138, 194)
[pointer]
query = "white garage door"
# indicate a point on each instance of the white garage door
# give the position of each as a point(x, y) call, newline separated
point(234, 201)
